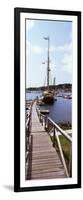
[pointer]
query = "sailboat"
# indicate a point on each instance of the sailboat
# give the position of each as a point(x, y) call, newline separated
point(48, 94)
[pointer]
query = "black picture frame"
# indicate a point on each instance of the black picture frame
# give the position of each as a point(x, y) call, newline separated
point(17, 12)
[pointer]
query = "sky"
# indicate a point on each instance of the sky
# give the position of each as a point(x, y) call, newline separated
point(60, 34)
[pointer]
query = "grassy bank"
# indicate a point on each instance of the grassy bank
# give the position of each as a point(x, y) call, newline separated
point(65, 125)
point(66, 145)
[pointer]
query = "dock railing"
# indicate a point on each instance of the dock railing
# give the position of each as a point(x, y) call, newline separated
point(28, 129)
point(55, 133)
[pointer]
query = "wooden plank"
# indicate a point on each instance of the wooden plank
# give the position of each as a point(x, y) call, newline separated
point(44, 161)
point(45, 177)
point(40, 154)
point(46, 168)
point(48, 175)
point(46, 171)
point(47, 164)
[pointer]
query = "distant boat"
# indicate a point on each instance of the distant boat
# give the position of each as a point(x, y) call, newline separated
point(67, 96)
point(44, 112)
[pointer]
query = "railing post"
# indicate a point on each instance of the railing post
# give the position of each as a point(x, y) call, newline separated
point(27, 138)
point(70, 161)
point(48, 125)
point(54, 137)
point(45, 122)
point(42, 120)
point(40, 117)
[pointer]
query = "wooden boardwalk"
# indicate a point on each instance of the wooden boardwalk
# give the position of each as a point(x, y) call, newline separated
point(44, 162)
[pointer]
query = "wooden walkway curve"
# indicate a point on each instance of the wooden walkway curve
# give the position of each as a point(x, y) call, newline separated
point(44, 162)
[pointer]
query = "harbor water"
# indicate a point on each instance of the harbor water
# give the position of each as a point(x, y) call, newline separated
point(60, 110)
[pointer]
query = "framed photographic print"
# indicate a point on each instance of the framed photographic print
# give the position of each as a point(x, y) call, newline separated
point(47, 99)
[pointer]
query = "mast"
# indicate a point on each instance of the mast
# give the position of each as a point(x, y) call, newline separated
point(54, 80)
point(48, 67)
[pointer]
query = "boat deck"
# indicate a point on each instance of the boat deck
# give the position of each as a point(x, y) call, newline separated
point(44, 162)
